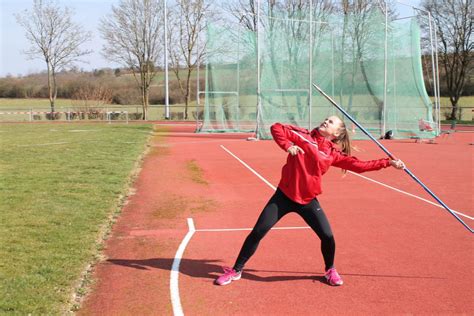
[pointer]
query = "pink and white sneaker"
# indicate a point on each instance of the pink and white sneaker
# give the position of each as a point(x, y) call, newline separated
point(333, 277)
point(228, 276)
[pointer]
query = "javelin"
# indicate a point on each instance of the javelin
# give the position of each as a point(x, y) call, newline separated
point(392, 156)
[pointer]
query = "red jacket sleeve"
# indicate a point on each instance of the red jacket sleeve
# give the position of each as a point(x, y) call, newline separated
point(283, 136)
point(351, 163)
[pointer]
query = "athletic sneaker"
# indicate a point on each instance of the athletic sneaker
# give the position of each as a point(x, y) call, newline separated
point(228, 276)
point(333, 277)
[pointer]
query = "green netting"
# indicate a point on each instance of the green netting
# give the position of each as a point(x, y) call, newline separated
point(345, 56)
point(407, 99)
point(230, 93)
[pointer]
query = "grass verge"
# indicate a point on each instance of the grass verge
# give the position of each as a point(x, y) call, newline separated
point(59, 186)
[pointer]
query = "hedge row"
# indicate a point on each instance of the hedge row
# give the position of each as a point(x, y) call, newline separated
point(123, 89)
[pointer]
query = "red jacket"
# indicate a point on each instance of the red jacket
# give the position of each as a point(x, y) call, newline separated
point(301, 175)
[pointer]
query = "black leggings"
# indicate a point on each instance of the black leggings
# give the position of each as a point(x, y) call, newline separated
point(278, 206)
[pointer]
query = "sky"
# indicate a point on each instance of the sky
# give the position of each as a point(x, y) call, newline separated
point(87, 13)
point(13, 42)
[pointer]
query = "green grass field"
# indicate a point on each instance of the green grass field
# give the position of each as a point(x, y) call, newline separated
point(60, 185)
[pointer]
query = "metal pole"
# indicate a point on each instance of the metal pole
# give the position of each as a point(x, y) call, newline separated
point(167, 100)
point(206, 113)
point(332, 63)
point(438, 96)
point(259, 103)
point(435, 88)
point(384, 110)
point(238, 78)
point(310, 62)
point(391, 156)
point(198, 64)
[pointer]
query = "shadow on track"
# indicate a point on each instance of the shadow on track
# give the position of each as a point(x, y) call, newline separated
point(210, 269)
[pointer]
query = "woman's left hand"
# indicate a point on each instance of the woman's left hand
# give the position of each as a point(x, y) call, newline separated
point(397, 164)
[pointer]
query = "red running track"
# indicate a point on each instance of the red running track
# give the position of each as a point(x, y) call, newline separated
point(397, 254)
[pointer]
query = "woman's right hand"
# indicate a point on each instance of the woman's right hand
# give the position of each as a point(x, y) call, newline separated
point(397, 164)
point(294, 150)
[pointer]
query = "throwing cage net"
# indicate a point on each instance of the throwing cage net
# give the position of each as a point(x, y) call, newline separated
point(372, 69)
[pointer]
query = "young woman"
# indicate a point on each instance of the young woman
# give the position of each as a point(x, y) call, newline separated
point(311, 153)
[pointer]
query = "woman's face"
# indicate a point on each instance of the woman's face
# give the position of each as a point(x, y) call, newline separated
point(330, 127)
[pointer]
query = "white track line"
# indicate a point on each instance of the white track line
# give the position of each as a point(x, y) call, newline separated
point(248, 229)
point(174, 286)
point(248, 167)
point(409, 194)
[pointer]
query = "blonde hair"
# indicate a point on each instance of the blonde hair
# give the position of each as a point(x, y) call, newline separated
point(343, 140)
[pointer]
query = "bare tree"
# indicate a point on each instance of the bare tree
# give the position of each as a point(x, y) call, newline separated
point(91, 98)
point(133, 35)
point(361, 42)
point(54, 37)
point(245, 12)
point(455, 29)
point(187, 22)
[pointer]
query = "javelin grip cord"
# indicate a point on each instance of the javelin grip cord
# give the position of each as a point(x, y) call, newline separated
point(391, 156)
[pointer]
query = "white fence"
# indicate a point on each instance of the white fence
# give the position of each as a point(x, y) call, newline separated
point(63, 115)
